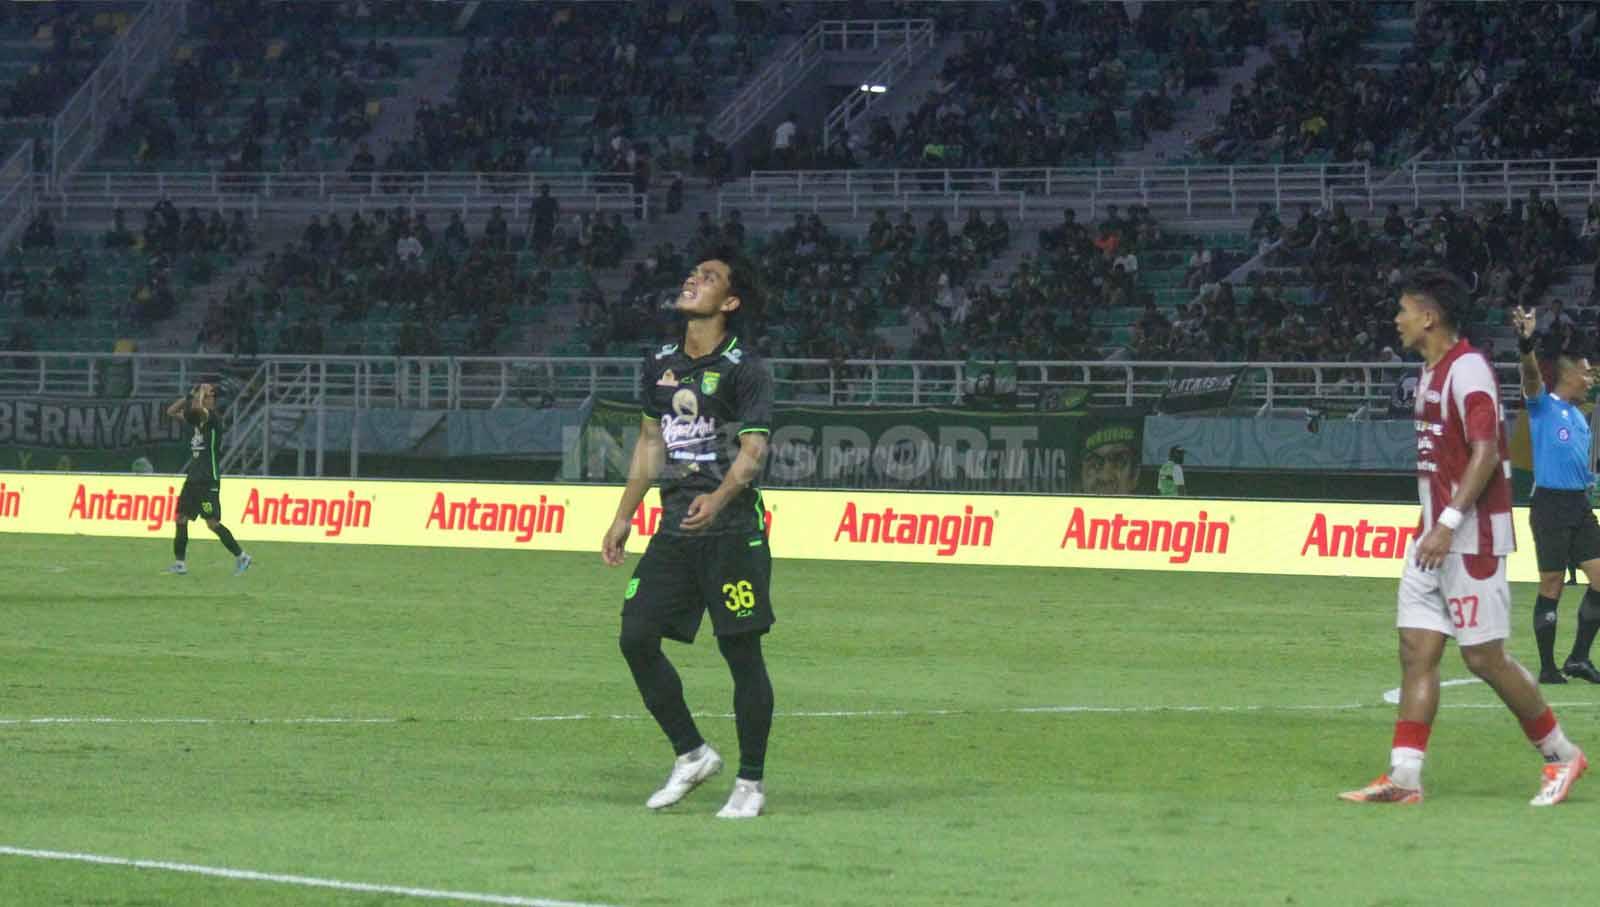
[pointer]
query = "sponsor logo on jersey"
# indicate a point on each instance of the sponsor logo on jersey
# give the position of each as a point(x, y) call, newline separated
point(1359, 540)
point(667, 379)
point(947, 532)
point(1181, 539)
point(331, 515)
point(154, 510)
point(10, 503)
point(685, 427)
point(472, 515)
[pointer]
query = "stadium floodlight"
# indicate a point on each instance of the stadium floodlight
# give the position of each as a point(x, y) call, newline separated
point(874, 88)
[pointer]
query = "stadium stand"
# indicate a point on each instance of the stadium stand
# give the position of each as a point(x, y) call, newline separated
point(1068, 88)
point(546, 88)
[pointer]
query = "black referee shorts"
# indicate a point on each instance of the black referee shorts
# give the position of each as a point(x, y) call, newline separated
point(1565, 531)
point(681, 577)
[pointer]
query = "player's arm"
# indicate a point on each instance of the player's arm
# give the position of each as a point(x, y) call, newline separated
point(649, 455)
point(180, 407)
point(753, 409)
point(745, 470)
point(1528, 362)
point(1177, 480)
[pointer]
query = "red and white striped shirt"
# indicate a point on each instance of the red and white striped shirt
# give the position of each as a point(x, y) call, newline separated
point(1458, 402)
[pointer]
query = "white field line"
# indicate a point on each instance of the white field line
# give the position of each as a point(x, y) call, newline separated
point(250, 875)
point(1391, 697)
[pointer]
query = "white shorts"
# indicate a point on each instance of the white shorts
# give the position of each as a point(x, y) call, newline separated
point(1467, 597)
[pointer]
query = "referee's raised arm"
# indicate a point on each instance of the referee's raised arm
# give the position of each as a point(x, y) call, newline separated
point(1532, 382)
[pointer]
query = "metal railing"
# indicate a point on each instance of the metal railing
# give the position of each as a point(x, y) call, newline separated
point(139, 53)
point(340, 184)
point(16, 193)
point(465, 193)
point(1192, 192)
point(761, 94)
point(368, 382)
point(917, 41)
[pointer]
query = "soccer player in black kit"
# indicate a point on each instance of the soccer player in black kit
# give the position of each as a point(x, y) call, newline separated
point(707, 414)
point(202, 485)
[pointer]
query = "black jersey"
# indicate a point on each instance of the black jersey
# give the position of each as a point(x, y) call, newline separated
point(704, 405)
point(205, 448)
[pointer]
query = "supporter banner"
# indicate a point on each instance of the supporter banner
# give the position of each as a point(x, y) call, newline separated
point(989, 382)
point(933, 449)
point(1182, 534)
point(1187, 393)
point(1283, 444)
point(88, 424)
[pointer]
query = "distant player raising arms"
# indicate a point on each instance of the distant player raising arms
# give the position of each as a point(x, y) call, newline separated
point(202, 485)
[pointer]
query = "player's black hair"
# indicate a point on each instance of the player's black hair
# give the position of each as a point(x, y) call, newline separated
point(744, 282)
point(1175, 453)
point(1443, 290)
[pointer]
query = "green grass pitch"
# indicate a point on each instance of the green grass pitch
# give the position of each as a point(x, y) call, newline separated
point(1229, 711)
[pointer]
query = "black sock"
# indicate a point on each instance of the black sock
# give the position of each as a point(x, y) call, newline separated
point(1588, 625)
point(180, 541)
point(227, 540)
point(660, 688)
point(752, 700)
point(1544, 630)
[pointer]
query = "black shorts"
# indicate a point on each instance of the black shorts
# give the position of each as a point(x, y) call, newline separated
point(200, 498)
point(1565, 532)
point(681, 577)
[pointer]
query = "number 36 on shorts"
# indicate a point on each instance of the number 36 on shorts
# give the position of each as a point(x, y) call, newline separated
point(741, 597)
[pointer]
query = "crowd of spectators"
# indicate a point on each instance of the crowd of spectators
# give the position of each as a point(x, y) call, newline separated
point(60, 275)
point(450, 289)
point(1329, 291)
point(1329, 98)
point(1038, 85)
point(72, 45)
point(220, 109)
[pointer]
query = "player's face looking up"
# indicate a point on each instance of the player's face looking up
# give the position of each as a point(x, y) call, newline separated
point(705, 291)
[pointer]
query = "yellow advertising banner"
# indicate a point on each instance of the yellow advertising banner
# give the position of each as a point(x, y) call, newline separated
point(1272, 537)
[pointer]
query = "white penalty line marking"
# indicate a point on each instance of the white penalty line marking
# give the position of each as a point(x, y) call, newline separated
point(248, 875)
point(843, 713)
point(851, 713)
point(1393, 696)
point(1390, 697)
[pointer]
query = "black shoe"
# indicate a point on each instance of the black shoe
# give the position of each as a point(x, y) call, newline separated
point(1583, 670)
point(1551, 675)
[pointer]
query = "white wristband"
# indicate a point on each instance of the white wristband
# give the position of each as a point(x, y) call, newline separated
point(1450, 518)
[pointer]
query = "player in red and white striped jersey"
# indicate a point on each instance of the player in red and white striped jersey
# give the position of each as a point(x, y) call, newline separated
point(1454, 580)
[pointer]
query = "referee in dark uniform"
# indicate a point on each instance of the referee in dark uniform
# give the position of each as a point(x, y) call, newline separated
point(1564, 527)
point(707, 417)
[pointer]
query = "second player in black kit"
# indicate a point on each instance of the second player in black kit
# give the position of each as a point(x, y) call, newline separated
point(707, 404)
point(202, 484)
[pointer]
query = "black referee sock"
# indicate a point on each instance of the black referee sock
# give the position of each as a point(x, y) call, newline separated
point(660, 688)
point(180, 542)
point(227, 540)
point(1544, 631)
point(752, 700)
point(1588, 625)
